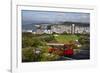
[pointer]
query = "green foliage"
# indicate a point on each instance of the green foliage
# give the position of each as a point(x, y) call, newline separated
point(27, 34)
point(49, 38)
point(49, 57)
point(27, 55)
point(37, 42)
point(54, 33)
point(64, 33)
point(44, 48)
point(26, 42)
point(30, 42)
point(84, 40)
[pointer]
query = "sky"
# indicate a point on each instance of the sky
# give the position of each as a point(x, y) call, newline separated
point(36, 17)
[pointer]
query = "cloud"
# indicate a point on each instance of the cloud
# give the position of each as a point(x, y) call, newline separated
point(31, 16)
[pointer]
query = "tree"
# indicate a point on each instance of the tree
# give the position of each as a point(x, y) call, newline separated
point(64, 33)
point(49, 27)
point(37, 42)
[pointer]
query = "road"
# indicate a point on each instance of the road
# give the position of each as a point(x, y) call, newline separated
point(84, 54)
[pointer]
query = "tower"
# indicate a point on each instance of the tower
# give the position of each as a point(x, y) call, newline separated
point(73, 29)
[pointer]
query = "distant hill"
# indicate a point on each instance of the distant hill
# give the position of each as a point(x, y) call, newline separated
point(77, 23)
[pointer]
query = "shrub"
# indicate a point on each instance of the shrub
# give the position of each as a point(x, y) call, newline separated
point(49, 57)
point(54, 33)
point(27, 55)
point(64, 33)
point(26, 42)
point(37, 42)
point(84, 40)
point(49, 38)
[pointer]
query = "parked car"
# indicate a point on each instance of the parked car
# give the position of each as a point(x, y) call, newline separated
point(68, 52)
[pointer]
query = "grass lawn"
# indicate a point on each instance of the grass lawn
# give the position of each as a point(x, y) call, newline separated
point(66, 38)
